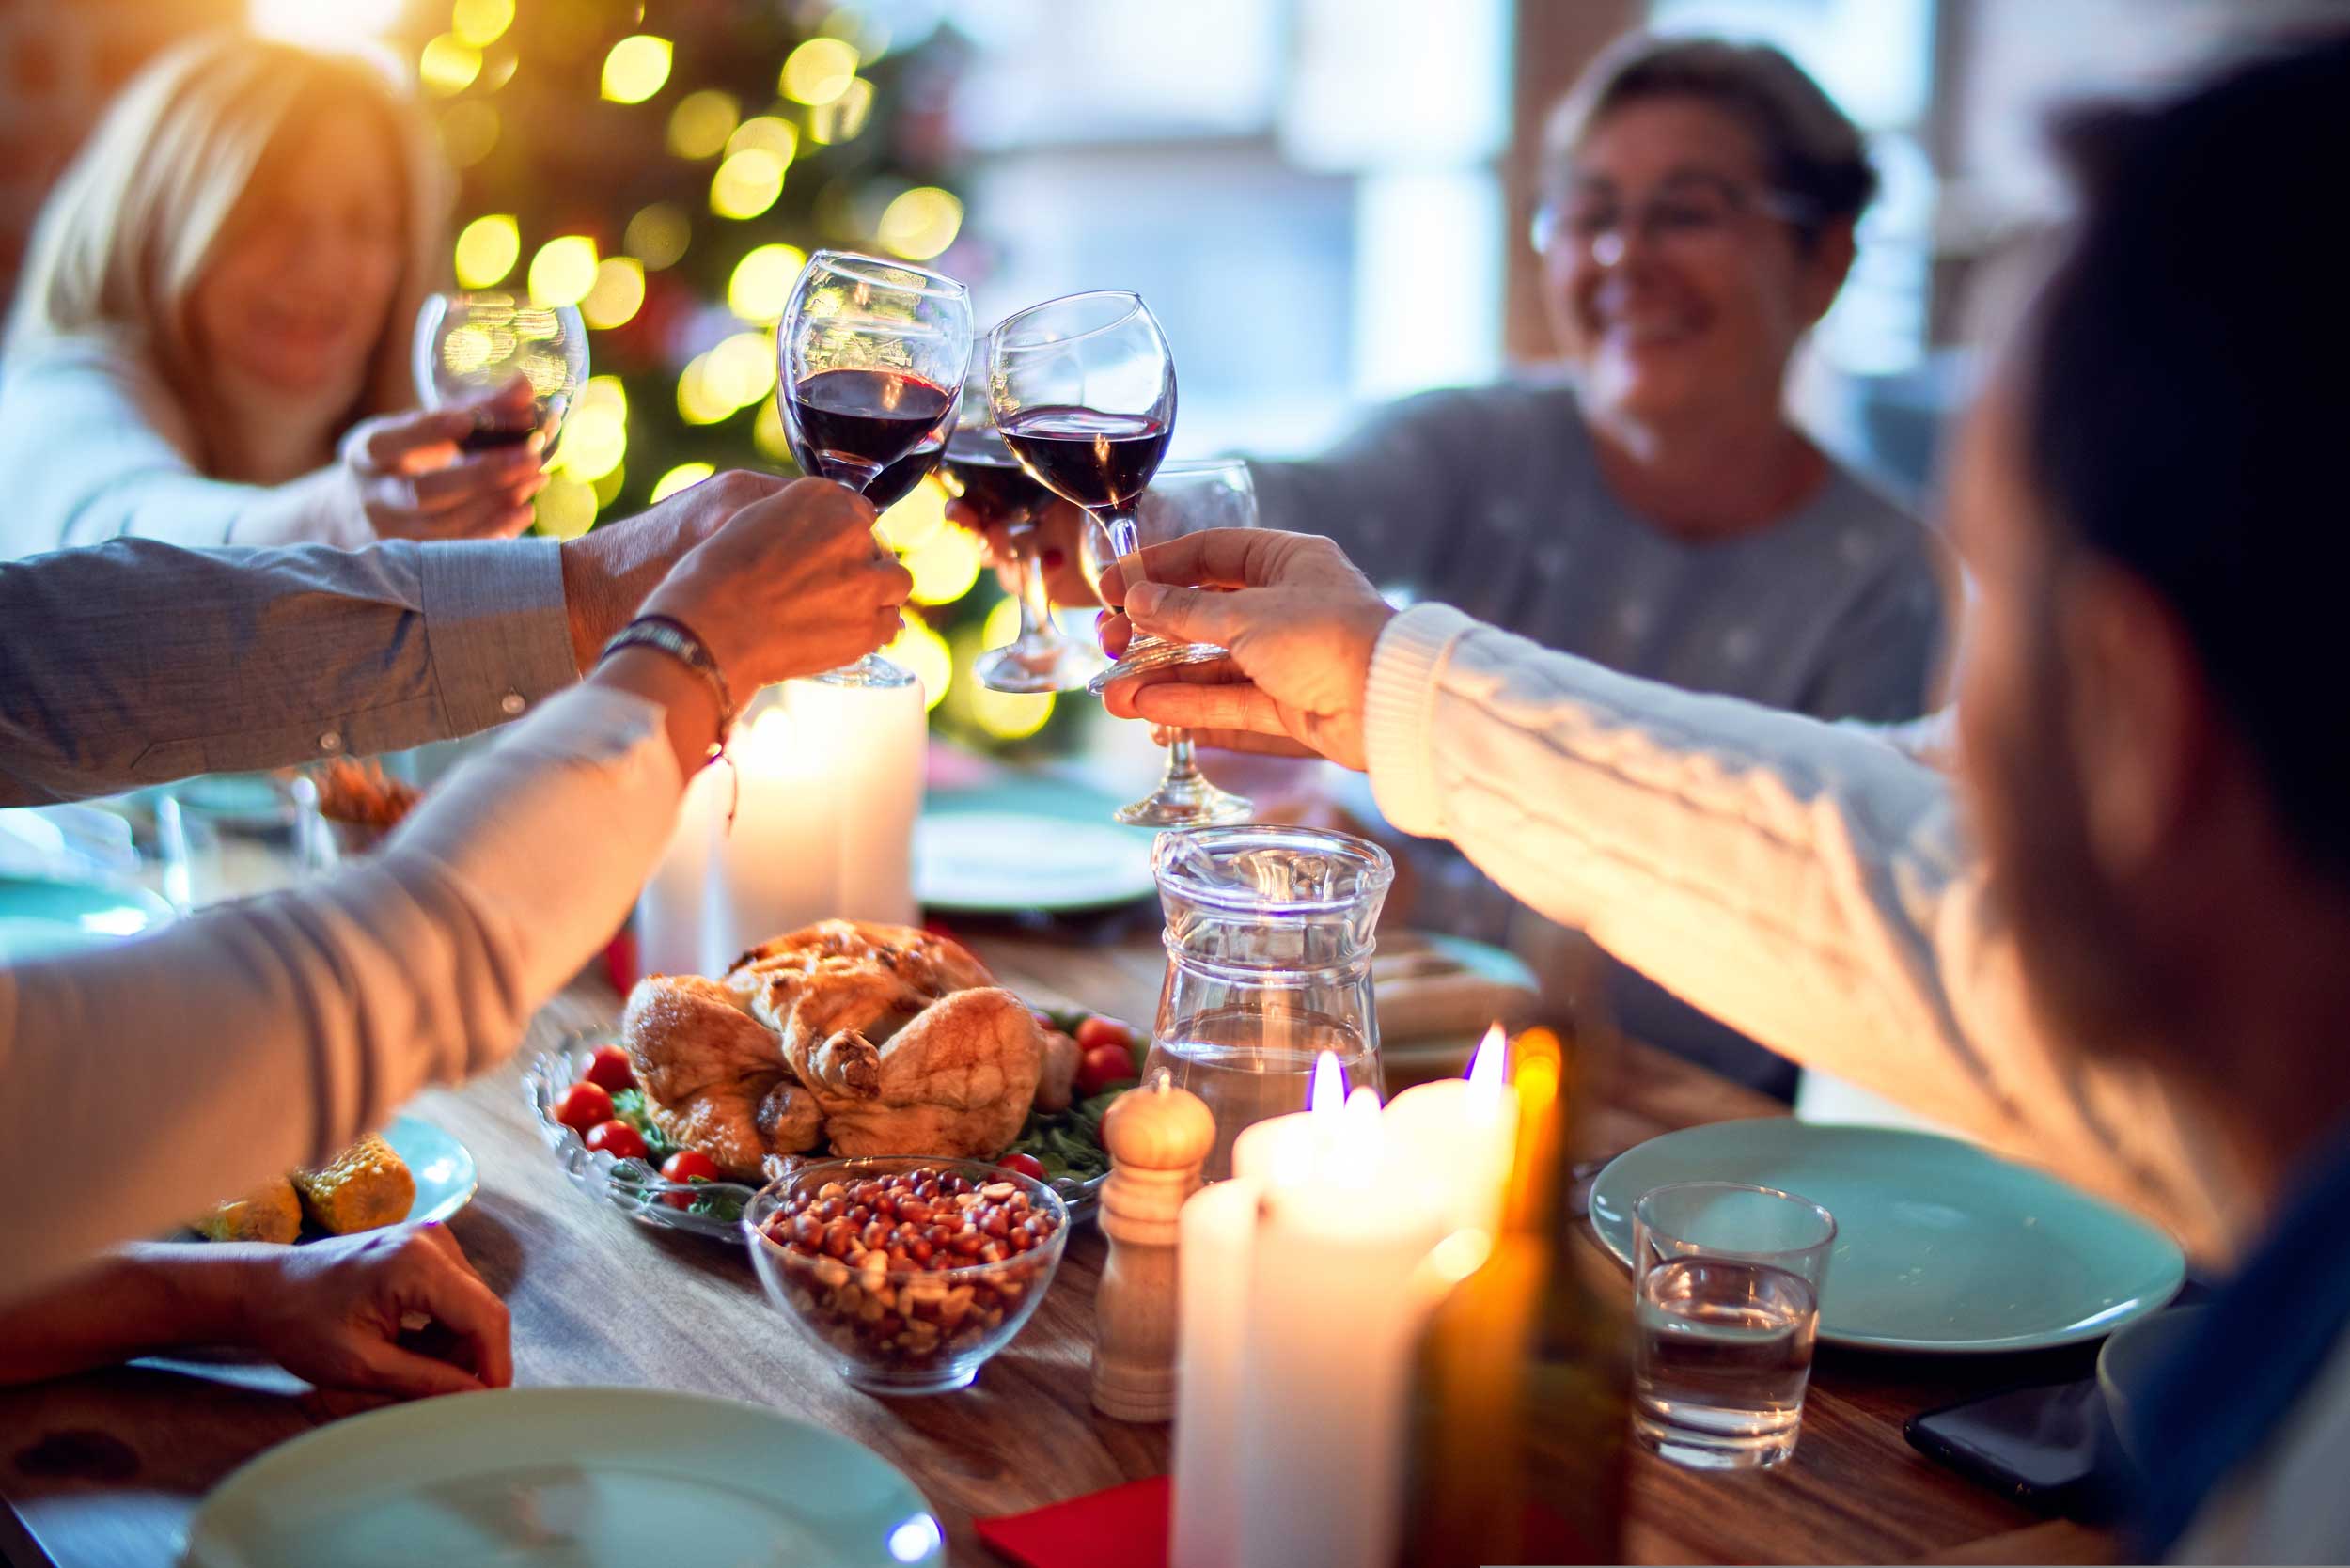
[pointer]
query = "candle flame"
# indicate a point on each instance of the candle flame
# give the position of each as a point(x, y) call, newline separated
point(1358, 1141)
point(1329, 1090)
point(1486, 1071)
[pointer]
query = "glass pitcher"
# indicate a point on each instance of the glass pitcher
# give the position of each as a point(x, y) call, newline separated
point(1269, 936)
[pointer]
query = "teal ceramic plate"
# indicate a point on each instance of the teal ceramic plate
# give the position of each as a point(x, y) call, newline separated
point(1939, 1246)
point(585, 1478)
point(1032, 844)
point(42, 918)
point(446, 1177)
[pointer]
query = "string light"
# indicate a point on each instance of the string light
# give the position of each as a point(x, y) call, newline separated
point(818, 71)
point(768, 134)
point(448, 64)
point(564, 270)
point(747, 184)
point(481, 22)
point(636, 68)
point(617, 293)
point(920, 223)
point(762, 284)
point(695, 404)
point(945, 565)
point(683, 476)
point(567, 507)
point(843, 118)
point(1008, 716)
point(658, 235)
point(702, 123)
point(919, 648)
point(486, 249)
point(768, 434)
point(595, 439)
point(468, 132)
point(740, 370)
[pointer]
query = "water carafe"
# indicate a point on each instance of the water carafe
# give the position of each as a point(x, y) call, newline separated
point(1269, 937)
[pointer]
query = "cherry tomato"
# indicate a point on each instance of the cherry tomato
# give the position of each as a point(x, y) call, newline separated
point(1026, 1165)
point(1096, 1032)
point(688, 1165)
point(582, 1106)
point(1102, 1066)
point(616, 1139)
point(611, 1068)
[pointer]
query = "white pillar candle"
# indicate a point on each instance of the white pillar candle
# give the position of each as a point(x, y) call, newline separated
point(1288, 1141)
point(1216, 1240)
point(1330, 1322)
point(673, 913)
point(1460, 1135)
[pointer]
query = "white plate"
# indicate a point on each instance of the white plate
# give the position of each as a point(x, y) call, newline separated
point(583, 1478)
point(1011, 862)
point(446, 1177)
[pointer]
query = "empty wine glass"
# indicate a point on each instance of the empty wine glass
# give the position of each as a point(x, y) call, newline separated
point(469, 345)
point(980, 470)
point(1184, 498)
point(872, 356)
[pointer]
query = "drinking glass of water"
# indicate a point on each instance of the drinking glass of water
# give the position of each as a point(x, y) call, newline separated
point(1726, 1283)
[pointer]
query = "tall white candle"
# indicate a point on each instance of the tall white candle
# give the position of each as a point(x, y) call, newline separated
point(1330, 1321)
point(1461, 1135)
point(673, 913)
point(1217, 1241)
point(872, 740)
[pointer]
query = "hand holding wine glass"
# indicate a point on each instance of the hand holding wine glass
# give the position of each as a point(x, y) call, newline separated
point(411, 478)
point(471, 349)
point(873, 359)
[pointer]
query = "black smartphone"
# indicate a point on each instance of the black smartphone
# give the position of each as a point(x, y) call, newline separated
point(2047, 1447)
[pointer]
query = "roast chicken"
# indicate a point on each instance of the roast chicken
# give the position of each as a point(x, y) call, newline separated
point(871, 1039)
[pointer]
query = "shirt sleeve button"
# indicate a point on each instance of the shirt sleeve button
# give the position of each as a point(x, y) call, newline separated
point(513, 703)
point(331, 740)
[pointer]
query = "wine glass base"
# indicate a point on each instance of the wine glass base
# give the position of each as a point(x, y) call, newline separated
point(1187, 803)
point(871, 670)
point(1061, 666)
point(1142, 657)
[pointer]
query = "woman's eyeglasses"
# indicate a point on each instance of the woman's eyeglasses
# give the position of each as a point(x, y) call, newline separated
point(1686, 216)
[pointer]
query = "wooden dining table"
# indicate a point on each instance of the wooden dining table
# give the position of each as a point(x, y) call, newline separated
point(105, 1468)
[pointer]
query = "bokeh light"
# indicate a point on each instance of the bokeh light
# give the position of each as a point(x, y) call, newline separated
point(913, 523)
point(595, 439)
point(762, 284)
point(608, 488)
point(768, 134)
point(468, 132)
point(747, 184)
point(925, 652)
point(618, 291)
point(768, 434)
point(1008, 716)
point(658, 235)
point(702, 123)
point(818, 71)
point(564, 270)
point(603, 392)
point(567, 507)
point(337, 27)
point(481, 22)
point(945, 565)
point(843, 118)
point(696, 403)
point(636, 68)
point(741, 370)
point(920, 223)
point(486, 249)
point(685, 476)
point(448, 64)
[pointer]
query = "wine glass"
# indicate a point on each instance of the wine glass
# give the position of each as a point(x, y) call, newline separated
point(468, 345)
point(872, 356)
point(1187, 497)
point(979, 471)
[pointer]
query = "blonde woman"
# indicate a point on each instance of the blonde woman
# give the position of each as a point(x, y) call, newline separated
point(210, 342)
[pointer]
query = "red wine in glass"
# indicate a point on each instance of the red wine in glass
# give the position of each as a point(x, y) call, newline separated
point(492, 438)
point(990, 480)
point(896, 482)
point(1102, 461)
point(852, 425)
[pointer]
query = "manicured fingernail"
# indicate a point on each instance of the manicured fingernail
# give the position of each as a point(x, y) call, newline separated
point(1055, 560)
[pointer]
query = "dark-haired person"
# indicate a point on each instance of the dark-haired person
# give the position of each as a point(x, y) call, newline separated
point(1659, 512)
point(2118, 947)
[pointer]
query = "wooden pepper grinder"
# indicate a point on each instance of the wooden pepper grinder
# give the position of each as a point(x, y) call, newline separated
point(1157, 1136)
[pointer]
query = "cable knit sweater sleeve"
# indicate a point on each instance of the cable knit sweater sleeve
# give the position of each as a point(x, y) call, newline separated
point(1808, 885)
point(150, 1079)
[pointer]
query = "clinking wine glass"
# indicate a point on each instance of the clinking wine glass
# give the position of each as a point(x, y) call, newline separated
point(1184, 498)
point(872, 357)
point(470, 345)
point(980, 470)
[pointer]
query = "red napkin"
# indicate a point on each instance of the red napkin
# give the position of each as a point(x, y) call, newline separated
point(1122, 1528)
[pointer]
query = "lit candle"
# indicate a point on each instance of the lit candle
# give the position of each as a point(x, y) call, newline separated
point(1460, 1135)
point(1342, 1227)
point(1264, 1144)
point(1217, 1242)
point(673, 913)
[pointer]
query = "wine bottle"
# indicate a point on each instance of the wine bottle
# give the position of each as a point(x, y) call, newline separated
point(1520, 1410)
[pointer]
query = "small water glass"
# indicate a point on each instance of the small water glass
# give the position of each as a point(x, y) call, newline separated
point(1725, 1282)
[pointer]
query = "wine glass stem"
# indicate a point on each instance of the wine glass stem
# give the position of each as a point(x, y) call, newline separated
point(1181, 766)
point(1036, 600)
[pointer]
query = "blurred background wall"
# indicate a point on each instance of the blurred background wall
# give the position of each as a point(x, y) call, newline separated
point(1325, 200)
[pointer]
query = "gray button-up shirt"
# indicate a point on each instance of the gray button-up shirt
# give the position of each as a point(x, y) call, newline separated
point(134, 662)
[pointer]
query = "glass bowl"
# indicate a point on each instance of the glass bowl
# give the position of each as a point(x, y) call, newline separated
point(894, 1322)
